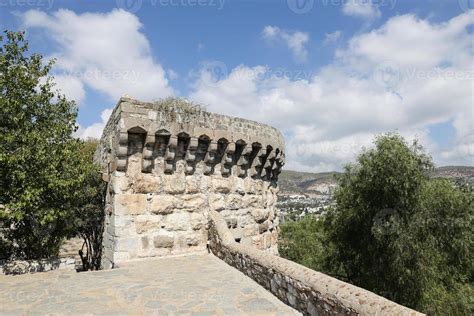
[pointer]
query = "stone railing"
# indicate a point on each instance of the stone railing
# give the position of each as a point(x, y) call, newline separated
point(306, 290)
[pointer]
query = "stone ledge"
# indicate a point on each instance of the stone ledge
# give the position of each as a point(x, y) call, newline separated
point(308, 291)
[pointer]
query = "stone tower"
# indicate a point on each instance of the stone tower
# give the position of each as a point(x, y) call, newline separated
point(168, 163)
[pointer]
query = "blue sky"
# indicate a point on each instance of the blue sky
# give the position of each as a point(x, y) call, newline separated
point(330, 74)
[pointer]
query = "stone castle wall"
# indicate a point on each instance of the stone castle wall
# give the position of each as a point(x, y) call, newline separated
point(169, 163)
point(308, 291)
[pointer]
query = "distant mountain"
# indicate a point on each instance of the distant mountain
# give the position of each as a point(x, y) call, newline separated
point(295, 182)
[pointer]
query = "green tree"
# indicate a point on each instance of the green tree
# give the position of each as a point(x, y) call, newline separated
point(89, 213)
point(303, 242)
point(39, 169)
point(394, 231)
point(399, 233)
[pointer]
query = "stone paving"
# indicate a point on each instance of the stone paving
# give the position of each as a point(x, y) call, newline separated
point(188, 285)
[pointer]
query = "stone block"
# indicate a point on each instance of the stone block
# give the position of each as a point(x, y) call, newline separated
point(146, 183)
point(233, 201)
point(270, 199)
point(130, 204)
point(216, 202)
point(267, 240)
point(237, 233)
point(247, 241)
point(257, 242)
point(250, 230)
point(231, 222)
point(251, 200)
point(221, 185)
point(260, 214)
point(192, 184)
point(274, 237)
point(197, 221)
point(259, 186)
point(121, 220)
point(194, 202)
point(174, 184)
point(164, 204)
point(191, 239)
point(126, 244)
point(163, 241)
point(238, 185)
point(120, 184)
point(249, 185)
point(246, 220)
point(145, 226)
point(145, 242)
point(263, 227)
point(177, 221)
point(204, 183)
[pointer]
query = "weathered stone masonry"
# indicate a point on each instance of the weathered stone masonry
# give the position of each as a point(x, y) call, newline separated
point(168, 165)
point(308, 291)
point(179, 176)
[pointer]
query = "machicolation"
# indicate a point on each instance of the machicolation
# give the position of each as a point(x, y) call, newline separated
point(169, 163)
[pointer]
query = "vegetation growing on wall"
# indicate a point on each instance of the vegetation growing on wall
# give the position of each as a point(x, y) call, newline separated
point(394, 230)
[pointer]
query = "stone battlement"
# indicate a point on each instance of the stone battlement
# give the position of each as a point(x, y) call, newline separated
point(169, 163)
point(176, 130)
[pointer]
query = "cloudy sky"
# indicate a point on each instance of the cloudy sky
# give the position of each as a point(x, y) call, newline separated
point(330, 74)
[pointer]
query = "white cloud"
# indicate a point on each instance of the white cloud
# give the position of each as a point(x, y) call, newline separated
point(200, 47)
point(173, 75)
point(379, 83)
point(332, 37)
point(294, 40)
point(361, 8)
point(105, 52)
point(95, 130)
point(72, 87)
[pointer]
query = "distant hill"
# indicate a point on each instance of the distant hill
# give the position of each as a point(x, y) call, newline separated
point(462, 174)
point(295, 182)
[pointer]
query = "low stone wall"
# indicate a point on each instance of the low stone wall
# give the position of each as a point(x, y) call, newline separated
point(306, 290)
point(32, 266)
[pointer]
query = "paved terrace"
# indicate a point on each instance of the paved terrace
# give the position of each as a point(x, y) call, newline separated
point(190, 285)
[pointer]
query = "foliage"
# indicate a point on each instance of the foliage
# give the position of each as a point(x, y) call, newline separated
point(395, 231)
point(303, 242)
point(49, 187)
point(89, 215)
point(38, 166)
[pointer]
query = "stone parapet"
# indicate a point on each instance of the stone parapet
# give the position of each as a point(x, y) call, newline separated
point(166, 133)
point(306, 290)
